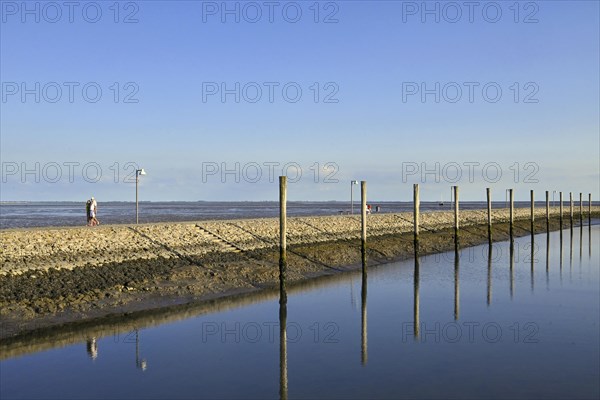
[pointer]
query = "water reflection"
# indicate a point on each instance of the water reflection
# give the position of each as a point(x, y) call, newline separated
point(571, 253)
point(363, 313)
point(532, 256)
point(580, 242)
point(489, 275)
point(511, 257)
point(91, 346)
point(416, 296)
point(590, 236)
point(456, 283)
point(561, 255)
point(283, 379)
point(548, 260)
point(140, 363)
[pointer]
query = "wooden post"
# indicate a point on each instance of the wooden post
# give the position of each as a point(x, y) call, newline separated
point(590, 208)
point(363, 213)
point(580, 207)
point(571, 207)
point(488, 192)
point(512, 210)
point(456, 211)
point(560, 200)
point(282, 238)
point(547, 210)
point(532, 211)
point(416, 205)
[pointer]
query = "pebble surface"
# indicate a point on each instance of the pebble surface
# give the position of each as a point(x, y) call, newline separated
point(69, 248)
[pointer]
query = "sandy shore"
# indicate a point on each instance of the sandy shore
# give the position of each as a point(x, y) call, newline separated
point(51, 276)
point(67, 248)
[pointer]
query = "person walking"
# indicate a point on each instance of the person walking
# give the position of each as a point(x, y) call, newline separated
point(88, 208)
point(93, 212)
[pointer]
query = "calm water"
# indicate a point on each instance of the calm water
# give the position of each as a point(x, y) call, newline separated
point(488, 328)
point(73, 214)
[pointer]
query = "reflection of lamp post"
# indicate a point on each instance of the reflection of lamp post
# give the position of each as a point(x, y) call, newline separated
point(352, 183)
point(141, 364)
point(138, 172)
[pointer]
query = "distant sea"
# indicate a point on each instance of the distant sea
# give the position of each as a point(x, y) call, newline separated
point(39, 214)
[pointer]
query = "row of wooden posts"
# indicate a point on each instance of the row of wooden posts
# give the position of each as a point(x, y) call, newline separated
point(416, 213)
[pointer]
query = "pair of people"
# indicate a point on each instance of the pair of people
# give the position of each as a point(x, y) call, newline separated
point(91, 207)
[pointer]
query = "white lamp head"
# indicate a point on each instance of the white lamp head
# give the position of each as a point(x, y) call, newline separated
point(142, 171)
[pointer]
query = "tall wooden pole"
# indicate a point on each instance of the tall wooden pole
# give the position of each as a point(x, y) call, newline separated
point(137, 180)
point(560, 200)
point(363, 212)
point(512, 211)
point(571, 207)
point(416, 205)
point(590, 209)
point(532, 211)
point(282, 237)
point(488, 192)
point(547, 210)
point(580, 207)
point(456, 206)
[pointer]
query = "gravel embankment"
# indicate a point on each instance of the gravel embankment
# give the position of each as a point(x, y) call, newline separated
point(68, 248)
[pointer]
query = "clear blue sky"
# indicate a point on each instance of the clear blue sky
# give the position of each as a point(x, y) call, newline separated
point(367, 58)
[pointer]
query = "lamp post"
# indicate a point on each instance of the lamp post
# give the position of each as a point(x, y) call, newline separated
point(506, 192)
point(138, 172)
point(352, 183)
point(553, 202)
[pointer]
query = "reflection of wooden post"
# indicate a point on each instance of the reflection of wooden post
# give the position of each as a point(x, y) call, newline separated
point(488, 193)
point(560, 200)
point(489, 275)
point(456, 284)
point(547, 259)
point(547, 210)
point(282, 236)
point(416, 205)
point(532, 211)
point(512, 211)
point(363, 333)
point(283, 378)
point(363, 213)
point(512, 267)
point(416, 322)
point(532, 256)
point(456, 212)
